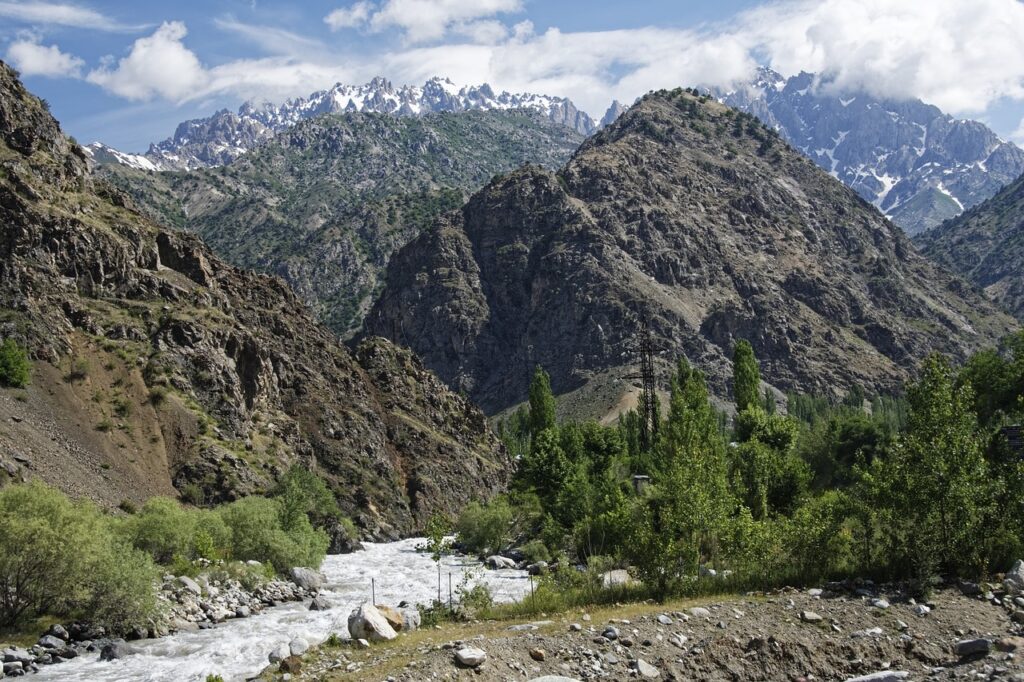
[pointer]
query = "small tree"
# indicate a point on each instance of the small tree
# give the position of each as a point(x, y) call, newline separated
point(746, 377)
point(542, 403)
point(14, 365)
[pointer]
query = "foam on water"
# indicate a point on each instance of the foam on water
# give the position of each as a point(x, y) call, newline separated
point(237, 649)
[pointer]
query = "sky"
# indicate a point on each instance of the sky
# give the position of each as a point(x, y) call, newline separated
point(127, 72)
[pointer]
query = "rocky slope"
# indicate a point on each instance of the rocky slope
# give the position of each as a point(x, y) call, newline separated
point(224, 136)
point(326, 203)
point(916, 164)
point(696, 217)
point(986, 246)
point(160, 368)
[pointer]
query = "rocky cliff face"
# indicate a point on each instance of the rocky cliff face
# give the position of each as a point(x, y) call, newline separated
point(916, 164)
point(699, 219)
point(986, 246)
point(326, 203)
point(160, 368)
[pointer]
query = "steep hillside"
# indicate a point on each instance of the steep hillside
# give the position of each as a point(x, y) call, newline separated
point(986, 246)
point(326, 203)
point(159, 368)
point(918, 165)
point(698, 218)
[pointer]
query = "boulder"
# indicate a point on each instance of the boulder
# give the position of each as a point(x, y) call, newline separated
point(292, 665)
point(496, 561)
point(115, 649)
point(319, 603)
point(922, 610)
point(539, 568)
point(279, 653)
point(470, 656)
point(971, 647)
point(190, 585)
point(645, 669)
point(13, 668)
point(15, 655)
point(1014, 581)
point(298, 646)
point(880, 603)
point(665, 620)
point(1010, 644)
point(810, 617)
point(59, 631)
point(538, 655)
point(366, 622)
point(620, 577)
point(51, 642)
point(306, 578)
point(411, 619)
point(393, 616)
point(700, 612)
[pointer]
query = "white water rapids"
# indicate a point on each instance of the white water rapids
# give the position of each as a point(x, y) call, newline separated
point(237, 649)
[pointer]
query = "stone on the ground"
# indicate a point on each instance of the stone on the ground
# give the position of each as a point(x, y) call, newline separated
point(922, 610)
point(59, 631)
point(665, 620)
point(881, 676)
point(13, 668)
point(190, 585)
point(611, 633)
point(470, 656)
point(553, 678)
point(677, 640)
point(647, 670)
point(700, 612)
point(537, 654)
point(306, 578)
point(298, 646)
point(575, 627)
point(393, 616)
point(15, 655)
point(411, 619)
point(279, 653)
point(618, 578)
point(51, 642)
point(366, 622)
point(496, 561)
point(815, 592)
point(292, 665)
point(114, 649)
point(1010, 644)
point(970, 647)
point(880, 603)
point(810, 617)
point(362, 644)
point(1014, 581)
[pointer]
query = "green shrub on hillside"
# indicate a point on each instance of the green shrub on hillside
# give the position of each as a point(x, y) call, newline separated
point(262, 530)
point(14, 365)
point(485, 528)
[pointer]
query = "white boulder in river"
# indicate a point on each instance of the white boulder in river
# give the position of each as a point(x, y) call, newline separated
point(366, 622)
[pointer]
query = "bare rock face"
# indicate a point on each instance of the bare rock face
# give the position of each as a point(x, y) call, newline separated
point(702, 221)
point(216, 380)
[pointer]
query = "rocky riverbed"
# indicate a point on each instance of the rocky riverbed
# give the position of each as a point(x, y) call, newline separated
point(850, 631)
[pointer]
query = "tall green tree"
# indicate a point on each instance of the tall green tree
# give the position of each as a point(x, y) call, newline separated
point(542, 402)
point(746, 377)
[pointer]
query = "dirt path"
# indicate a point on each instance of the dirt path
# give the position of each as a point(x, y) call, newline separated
point(782, 636)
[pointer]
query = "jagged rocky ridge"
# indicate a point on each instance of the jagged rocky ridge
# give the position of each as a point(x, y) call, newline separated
point(698, 218)
point(986, 245)
point(223, 137)
point(159, 367)
point(325, 203)
point(916, 164)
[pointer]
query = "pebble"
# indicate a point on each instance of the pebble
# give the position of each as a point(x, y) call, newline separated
point(537, 654)
point(471, 656)
point(700, 612)
point(647, 670)
point(880, 603)
point(810, 617)
point(922, 610)
point(665, 620)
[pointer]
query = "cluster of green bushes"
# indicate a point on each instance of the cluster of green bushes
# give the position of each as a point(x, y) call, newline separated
point(65, 558)
point(15, 366)
point(895, 488)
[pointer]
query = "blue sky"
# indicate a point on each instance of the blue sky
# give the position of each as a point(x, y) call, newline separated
point(127, 72)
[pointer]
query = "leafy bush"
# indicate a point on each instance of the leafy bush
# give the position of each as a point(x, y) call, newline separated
point(535, 551)
point(63, 558)
point(484, 528)
point(14, 365)
point(263, 529)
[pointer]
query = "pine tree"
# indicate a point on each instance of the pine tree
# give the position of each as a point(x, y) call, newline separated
point(746, 377)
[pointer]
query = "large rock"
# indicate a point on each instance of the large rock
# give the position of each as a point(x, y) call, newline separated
point(115, 649)
point(619, 577)
point(1014, 581)
point(393, 616)
point(366, 622)
point(646, 670)
point(279, 653)
point(298, 646)
point(972, 647)
point(498, 562)
point(306, 578)
point(470, 656)
point(319, 603)
point(190, 585)
point(411, 619)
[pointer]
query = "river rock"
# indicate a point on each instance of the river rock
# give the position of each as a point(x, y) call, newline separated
point(279, 653)
point(298, 646)
point(470, 656)
point(665, 620)
point(15, 655)
point(59, 631)
point(970, 647)
point(539, 568)
point(13, 668)
point(496, 561)
point(618, 578)
point(306, 578)
point(1014, 581)
point(51, 642)
point(411, 619)
point(115, 649)
point(319, 603)
point(810, 617)
point(393, 616)
point(190, 585)
point(700, 612)
point(880, 603)
point(366, 622)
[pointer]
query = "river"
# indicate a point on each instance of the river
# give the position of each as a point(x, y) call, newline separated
point(238, 649)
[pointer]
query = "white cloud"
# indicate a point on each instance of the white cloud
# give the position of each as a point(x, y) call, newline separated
point(428, 20)
point(61, 15)
point(33, 59)
point(270, 38)
point(349, 17)
point(1018, 135)
point(157, 65)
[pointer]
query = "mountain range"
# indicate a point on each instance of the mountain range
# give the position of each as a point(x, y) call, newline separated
point(325, 203)
point(698, 221)
point(160, 369)
point(224, 136)
point(916, 164)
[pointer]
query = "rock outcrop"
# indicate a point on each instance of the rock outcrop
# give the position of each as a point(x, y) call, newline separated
point(698, 219)
point(159, 368)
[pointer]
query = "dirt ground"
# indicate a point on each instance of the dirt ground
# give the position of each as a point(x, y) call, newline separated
point(754, 637)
